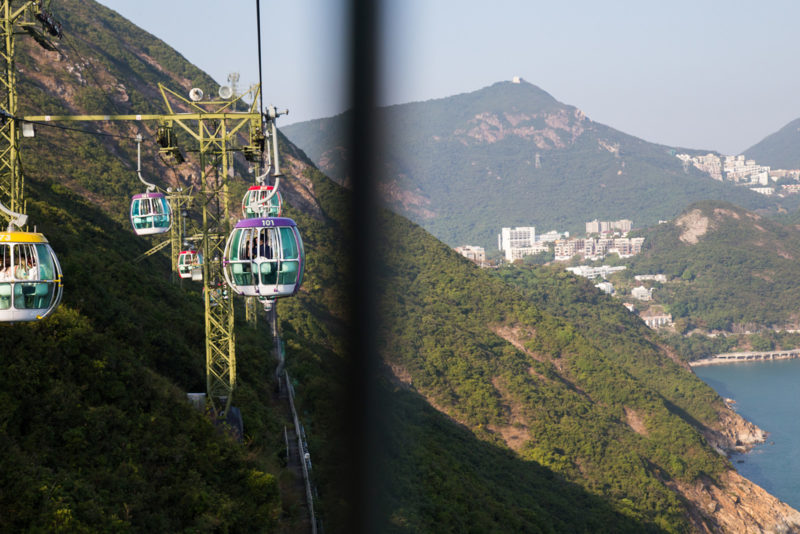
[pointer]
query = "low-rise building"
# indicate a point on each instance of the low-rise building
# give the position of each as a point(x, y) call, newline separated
point(656, 318)
point(551, 237)
point(603, 227)
point(655, 277)
point(642, 293)
point(764, 190)
point(517, 253)
point(605, 287)
point(564, 249)
point(590, 272)
point(473, 253)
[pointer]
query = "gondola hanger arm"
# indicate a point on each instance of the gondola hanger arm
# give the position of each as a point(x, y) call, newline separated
point(150, 187)
point(17, 219)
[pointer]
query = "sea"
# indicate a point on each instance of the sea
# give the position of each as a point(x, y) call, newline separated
point(768, 395)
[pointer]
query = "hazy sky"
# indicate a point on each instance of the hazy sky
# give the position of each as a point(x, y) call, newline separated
point(717, 75)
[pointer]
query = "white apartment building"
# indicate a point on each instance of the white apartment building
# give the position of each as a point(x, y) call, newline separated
point(709, 163)
point(511, 239)
point(564, 249)
point(473, 253)
point(624, 246)
point(590, 272)
point(602, 227)
point(642, 293)
point(656, 277)
point(551, 236)
point(518, 253)
point(605, 287)
point(739, 169)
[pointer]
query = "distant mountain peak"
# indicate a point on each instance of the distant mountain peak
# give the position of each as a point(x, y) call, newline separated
point(532, 160)
point(779, 150)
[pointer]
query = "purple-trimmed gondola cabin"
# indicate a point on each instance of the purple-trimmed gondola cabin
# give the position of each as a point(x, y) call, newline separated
point(264, 257)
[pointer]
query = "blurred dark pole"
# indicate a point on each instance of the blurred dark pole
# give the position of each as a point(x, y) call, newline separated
point(364, 143)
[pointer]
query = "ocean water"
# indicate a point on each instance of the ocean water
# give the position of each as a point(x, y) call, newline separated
point(767, 394)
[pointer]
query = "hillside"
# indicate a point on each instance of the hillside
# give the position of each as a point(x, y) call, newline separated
point(517, 157)
point(728, 268)
point(579, 387)
point(560, 386)
point(779, 150)
point(97, 432)
point(499, 407)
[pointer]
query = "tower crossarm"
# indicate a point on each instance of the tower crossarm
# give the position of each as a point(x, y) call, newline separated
point(214, 133)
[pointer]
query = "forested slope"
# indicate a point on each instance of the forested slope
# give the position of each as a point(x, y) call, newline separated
point(728, 268)
point(96, 430)
point(551, 393)
point(497, 410)
point(778, 150)
point(510, 154)
point(436, 475)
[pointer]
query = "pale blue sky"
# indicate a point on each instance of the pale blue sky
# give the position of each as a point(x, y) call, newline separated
point(302, 46)
point(702, 74)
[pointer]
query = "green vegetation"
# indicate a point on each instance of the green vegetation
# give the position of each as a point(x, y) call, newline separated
point(96, 431)
point(443, 479)
point(778, 150)
point(570, 393)
point(741, 275)
point(571, 405)
point(562, 414)
point(463, 188)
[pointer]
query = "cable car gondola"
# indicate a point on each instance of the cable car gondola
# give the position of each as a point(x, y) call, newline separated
point(30, 277)
point(259, 201)
point(189, 265)
point(150, 214)
point(150, 211)
point(264, 258)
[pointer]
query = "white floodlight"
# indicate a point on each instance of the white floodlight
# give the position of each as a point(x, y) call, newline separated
point(225, 92)
point(27, 129)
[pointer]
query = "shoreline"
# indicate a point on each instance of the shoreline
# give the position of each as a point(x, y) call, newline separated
point(747, 357)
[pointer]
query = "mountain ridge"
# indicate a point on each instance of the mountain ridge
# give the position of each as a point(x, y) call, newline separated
point(779, 150)
point(512, 155)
